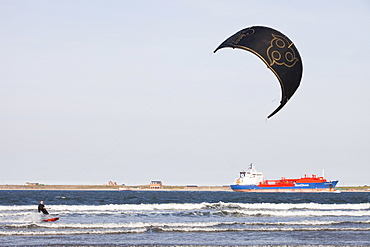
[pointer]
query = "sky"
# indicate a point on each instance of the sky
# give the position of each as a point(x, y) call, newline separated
point(131, 91)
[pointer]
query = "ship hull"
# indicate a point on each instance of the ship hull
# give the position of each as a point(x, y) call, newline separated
point(298, 187)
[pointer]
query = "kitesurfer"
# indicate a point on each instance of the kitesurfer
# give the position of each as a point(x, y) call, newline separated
point(42, 208)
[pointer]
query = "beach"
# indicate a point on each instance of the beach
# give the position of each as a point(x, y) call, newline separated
point(112, 188)
point(146, 188)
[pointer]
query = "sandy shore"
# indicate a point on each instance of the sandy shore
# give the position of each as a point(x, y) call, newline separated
point(110, 188)
point(143, 188)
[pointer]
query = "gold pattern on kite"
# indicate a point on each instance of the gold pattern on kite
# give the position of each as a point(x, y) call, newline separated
point(280, 52)
point(236, 38)
point(277, 51)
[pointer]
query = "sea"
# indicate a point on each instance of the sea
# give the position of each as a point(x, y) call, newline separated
point(184, 218)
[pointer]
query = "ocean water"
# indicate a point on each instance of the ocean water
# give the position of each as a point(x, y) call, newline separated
point(125, 218)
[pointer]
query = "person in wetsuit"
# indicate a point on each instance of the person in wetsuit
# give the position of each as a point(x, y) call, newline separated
point(42, 208)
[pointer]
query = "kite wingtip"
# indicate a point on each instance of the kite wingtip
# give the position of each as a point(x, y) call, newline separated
point(217, 49)
point(282, 104)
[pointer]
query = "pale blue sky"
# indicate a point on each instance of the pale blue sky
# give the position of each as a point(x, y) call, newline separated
point(130, 91)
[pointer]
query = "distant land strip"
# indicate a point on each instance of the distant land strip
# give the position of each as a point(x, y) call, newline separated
point(116, 187)
point(146, 187)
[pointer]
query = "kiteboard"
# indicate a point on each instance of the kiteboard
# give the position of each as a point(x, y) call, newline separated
point(51, 220)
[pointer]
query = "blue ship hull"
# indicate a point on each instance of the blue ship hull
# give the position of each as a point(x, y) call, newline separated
point(298, 187)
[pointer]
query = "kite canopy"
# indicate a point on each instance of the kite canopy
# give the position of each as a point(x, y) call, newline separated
point(277, 51)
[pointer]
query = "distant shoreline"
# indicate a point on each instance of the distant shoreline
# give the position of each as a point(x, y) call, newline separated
point(145, 188)
point(112, 188)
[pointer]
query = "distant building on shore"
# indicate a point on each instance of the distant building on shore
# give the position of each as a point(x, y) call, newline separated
point(156, 185)
point(32, 184)
point(110, 183)
point(192, 186)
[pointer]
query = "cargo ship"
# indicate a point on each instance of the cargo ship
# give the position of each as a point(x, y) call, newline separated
point(252, 181)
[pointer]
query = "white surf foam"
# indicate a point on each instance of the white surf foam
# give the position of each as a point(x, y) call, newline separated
point(74, 232)
point(177, 229)
point(266, 229)
point(300, 213)
point(187, 206)
point(133, 225)
point(289, 206)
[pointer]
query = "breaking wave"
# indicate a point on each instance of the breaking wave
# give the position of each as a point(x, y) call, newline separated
point(190, 206)
point(175, 229)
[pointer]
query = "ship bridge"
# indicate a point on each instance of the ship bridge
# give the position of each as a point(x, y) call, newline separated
point(252, 177)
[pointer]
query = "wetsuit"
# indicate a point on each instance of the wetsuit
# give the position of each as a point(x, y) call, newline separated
point(42, 209)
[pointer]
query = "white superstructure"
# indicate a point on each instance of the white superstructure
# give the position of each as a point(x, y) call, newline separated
point(252, 177)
